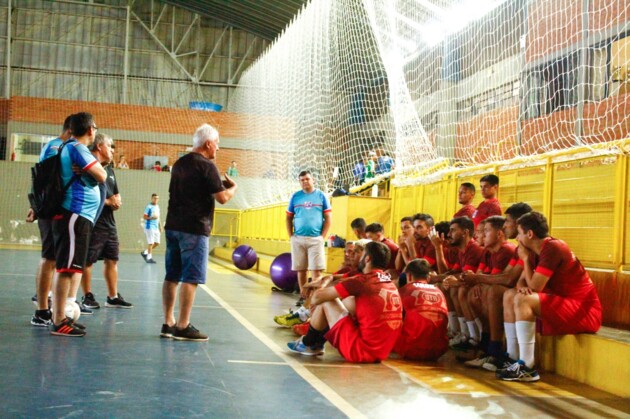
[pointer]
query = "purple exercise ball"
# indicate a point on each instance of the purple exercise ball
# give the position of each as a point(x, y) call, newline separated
point(244, 257)
point(281, 274)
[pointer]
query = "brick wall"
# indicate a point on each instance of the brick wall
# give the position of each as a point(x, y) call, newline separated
point(488, 137)
point(137, 118)
point(552, 26)
point(133, 118)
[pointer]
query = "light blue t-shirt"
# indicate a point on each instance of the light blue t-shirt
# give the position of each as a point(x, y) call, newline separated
point(50, 149)
point(150, 211)
point(83, 197)
point(308, 212)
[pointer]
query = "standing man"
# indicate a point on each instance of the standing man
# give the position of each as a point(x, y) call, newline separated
point(46, 268)
point(465, 197)
point(308, 221)
point(104, 242)
point(195, 184)
point(490, 206)
point(73, 227)
point(151, 228)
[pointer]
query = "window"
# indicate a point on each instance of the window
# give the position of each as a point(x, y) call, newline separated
point(27, 147)
point(500, 97)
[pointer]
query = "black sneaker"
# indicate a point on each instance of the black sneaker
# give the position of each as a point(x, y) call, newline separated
point(518, 371)
point(42, 318)
point(498, 363)
point(144, 256)
point(84, 310)
point(167, 331)
point(151, 260)
point(79, 325)
point(89, 301)
point(189, 333)
point(67, 328)
point(118, 302)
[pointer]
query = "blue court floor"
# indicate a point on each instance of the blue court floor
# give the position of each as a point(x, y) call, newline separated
point(123, 369)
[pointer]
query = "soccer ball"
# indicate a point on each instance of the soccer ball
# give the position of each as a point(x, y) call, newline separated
point(72, 310)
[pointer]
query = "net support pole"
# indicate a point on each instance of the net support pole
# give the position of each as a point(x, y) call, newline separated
point(126, 57)
point(7, 78)
point(582, 72)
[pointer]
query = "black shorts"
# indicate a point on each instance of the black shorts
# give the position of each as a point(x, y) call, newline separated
point(72, 239)
point(48, 242)
point(103, 245)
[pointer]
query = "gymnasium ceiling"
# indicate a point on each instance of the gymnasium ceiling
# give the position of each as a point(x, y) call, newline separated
point(264, 18)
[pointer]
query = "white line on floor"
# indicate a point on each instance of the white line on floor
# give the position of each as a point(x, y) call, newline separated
point(299, 368)
point(238, 361)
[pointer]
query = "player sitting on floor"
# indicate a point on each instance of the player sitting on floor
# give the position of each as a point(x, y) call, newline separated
point(348, 268)
point(554, 288)
point(423, 334)
point(360, 316)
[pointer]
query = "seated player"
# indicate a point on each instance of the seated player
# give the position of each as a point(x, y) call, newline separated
point(360, 316)
point(423, 334)
point(461, 233)
point(490, 205)
point(465, 196)
point(406, 231)
point(445, 261)
point(375, 232)
point(358, 226)
point(480, 233)
point(499, 283)
point(420, 241)
point(496, 258)
point(554, 288)
point(347, 268)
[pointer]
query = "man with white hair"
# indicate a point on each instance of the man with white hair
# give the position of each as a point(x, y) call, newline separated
point(195, 185)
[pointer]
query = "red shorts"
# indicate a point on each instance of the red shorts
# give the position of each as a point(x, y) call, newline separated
point(422, 339)
point(345, 336)
point(566, 316)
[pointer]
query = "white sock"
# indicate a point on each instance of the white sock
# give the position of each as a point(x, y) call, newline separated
point(149, 256)
point(463, 329)
point(453, 325)
point(472, 329)
point(144, 252)
point(510, 340)
point(526, 335)
point(479, 325)
point(304, 313)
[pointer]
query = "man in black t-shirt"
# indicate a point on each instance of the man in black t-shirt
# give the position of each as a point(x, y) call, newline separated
point(195, 184)
point(104, 243)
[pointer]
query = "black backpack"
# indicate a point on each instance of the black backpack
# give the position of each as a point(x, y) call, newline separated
point(48, 190)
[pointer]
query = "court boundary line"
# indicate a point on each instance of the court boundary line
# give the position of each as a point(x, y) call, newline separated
point(322, 388)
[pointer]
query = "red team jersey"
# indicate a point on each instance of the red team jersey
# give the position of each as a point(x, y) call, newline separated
point(370, 335)
point(466, 211)
point(569, 303)
point(393, 250)
point(423, 335)
point(470, 258)
point(495, 263)
point(425, 250)
point(487, 208)
point(451, 256)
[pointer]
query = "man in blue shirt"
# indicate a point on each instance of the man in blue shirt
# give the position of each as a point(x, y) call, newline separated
point(72, 228)
point(308, 221)
point(46, 268)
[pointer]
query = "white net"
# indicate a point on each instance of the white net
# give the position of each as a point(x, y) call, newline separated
point(432, 84)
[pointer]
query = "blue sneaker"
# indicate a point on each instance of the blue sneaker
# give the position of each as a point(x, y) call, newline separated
point(300, 348)
point(518, 371)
